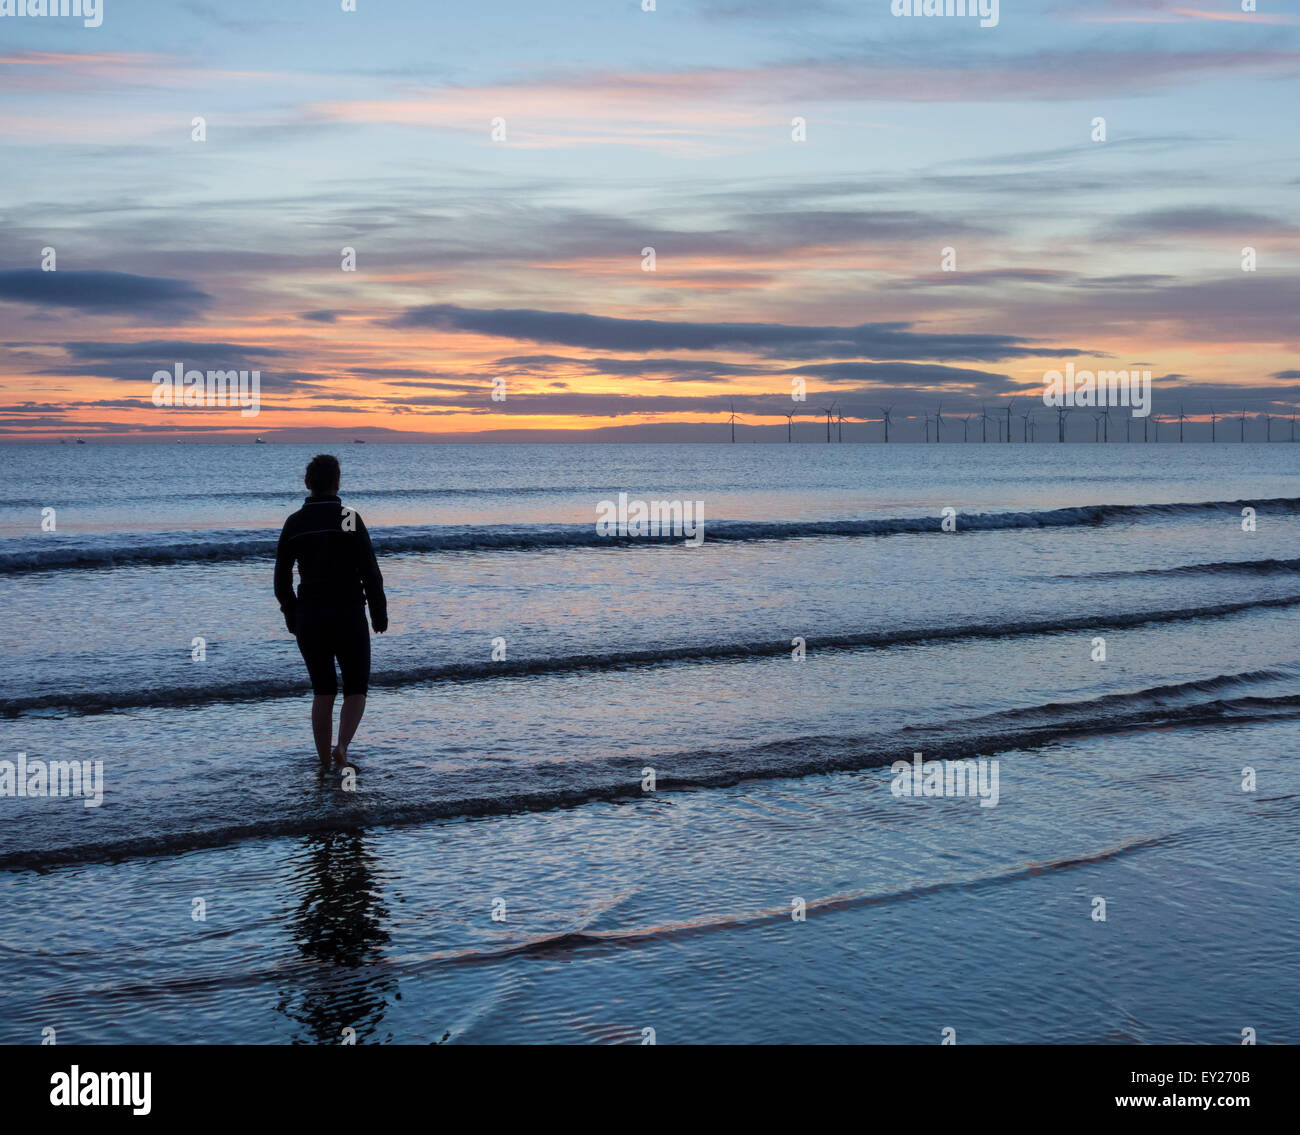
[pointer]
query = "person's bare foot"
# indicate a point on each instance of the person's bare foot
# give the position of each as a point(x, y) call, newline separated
point(339, 756)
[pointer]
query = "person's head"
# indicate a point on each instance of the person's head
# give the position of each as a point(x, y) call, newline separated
point(322, 478)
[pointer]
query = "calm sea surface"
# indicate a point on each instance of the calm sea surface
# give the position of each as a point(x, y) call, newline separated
point(515, 786)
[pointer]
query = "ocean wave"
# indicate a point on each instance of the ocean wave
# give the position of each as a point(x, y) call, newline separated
point(564, 940)
point(617, 778)
point(291, 496)
point(227, 545)
point(1219, 567)
point(138, 697)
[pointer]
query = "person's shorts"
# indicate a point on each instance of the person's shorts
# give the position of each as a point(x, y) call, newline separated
point(326, 635)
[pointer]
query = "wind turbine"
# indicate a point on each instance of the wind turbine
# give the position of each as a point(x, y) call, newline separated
point(828, 411)
point(1243, 425)
point(927, 426)
point(885, 411)
point(1268, 426)
point(938, 421)
point(839, 421)
point(733, 423)
point(1105, 424)
point(1061, 412)
point(1009, 405)
point(1293, 427)
point(984, 423)
point(1025, 433)
point(1214, 420)
point(1096, 427)
point(1180, 424)
point(789, 426)
point(965, 428)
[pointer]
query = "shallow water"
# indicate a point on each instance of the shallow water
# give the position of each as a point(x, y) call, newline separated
point(521, 780)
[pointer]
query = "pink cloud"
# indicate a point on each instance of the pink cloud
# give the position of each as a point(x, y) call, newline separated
point(654, 108)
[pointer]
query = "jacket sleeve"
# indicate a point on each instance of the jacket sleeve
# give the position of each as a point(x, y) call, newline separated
point(371, 580)
point(284, 577)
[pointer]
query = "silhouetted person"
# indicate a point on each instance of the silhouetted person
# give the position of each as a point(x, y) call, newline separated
point(339, 575)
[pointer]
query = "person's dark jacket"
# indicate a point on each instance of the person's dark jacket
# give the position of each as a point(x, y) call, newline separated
point(335, 561)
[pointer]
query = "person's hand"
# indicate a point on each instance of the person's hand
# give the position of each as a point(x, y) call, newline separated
point(380, 623)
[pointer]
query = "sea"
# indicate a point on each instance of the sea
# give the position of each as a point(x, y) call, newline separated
point(627, 787)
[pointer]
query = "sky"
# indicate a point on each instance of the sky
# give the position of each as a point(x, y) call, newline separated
point(892, 211)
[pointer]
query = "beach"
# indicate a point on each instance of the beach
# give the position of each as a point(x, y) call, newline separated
point(615, 783)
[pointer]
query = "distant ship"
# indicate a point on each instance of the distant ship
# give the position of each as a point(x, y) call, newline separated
point(80, 442)
point(259, 440)
point(358, 441)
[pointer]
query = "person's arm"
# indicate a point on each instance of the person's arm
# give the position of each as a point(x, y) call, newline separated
point(371, 580)
point(284, 582)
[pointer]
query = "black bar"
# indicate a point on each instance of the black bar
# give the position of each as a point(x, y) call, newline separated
point(342, 1083)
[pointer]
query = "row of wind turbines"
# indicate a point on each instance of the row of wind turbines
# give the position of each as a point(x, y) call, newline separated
point(1101, 423)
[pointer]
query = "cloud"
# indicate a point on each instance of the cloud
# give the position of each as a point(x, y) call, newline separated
point(614, 405)
point(1162, 12)
point(99, 291)
point(921, 374)
point(672, 370)
point(178, 350)
point(699, 107)
point(598, 332)
point(980, 279)
point(1071, 155)
point(766, 9)
point(136, 362)
point(1197, 219)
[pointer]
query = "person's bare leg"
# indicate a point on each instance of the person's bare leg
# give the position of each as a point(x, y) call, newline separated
point(322, 724)
point(354, 705)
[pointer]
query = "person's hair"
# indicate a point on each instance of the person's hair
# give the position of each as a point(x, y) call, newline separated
point(323, 473)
